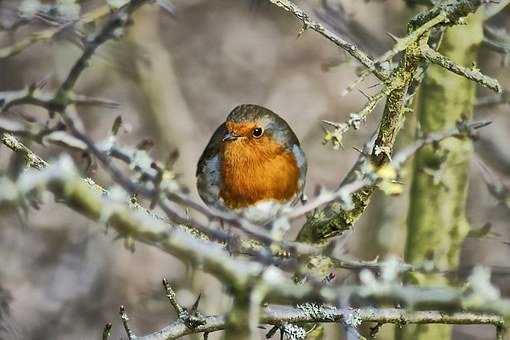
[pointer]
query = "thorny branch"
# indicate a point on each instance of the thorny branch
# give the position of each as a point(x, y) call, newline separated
point(332, 219)
point(63, 181)
point(281, 315)
point(383, 177)
point(62, 100)
point(472, 74)
point(59, 28)
point(50, 33)
point(445, 14)
point(36, 162)
point(350, 48)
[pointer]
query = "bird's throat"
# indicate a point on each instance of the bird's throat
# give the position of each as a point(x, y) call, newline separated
point(254, 171)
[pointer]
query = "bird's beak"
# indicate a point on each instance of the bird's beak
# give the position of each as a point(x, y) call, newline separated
point(229, 136)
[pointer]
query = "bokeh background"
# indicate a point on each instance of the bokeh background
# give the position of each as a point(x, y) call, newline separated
point(176, 78)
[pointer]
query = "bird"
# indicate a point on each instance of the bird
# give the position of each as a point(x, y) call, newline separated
point(253, 165)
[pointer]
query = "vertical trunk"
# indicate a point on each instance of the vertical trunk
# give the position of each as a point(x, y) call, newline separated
point(243, 318)
point(437, 223)
point(238, 320)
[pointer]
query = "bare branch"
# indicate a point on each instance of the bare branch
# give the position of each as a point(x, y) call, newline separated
point(31, 159)
point(279, 315)
point(107, 331)
point(348, 47)
point(332, 219)
point(472, 74)
point(50, 33)
point(125, 322)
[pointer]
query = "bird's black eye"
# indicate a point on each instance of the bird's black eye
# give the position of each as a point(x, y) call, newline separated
point(257, 132)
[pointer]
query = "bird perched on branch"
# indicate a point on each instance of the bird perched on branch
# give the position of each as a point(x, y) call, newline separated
point(253, 165)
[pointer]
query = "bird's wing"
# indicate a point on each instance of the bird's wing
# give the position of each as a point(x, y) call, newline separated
point(212, 149)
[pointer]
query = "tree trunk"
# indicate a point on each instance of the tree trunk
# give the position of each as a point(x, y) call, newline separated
point(436, 222)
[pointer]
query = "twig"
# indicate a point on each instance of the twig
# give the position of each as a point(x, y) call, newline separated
point(61, 103)
point(170, 294)
point(36, 162)
point(356, 119)
point(352, 264)
point(118, 20)
point(31, 159)
point(499, 190)
point(350, 48)
point(472, 74)
point(125, 323)
point(107, 331)
point(278, 315)
point(413, 36)
point(191, 318)
point(48, 34)
point(33, 95)
point(257, 232)
point(463, 129)
point(331, 219)
point(235, 272)
point(373, 177)
point(63, 100)
point(280, 248)
point(343, 194)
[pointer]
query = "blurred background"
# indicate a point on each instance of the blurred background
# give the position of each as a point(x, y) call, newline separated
point(176, 78)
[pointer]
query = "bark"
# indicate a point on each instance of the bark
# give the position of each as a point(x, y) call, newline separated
point(437, 223)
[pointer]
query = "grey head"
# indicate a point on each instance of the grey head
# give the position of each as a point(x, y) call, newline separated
point(272, 124)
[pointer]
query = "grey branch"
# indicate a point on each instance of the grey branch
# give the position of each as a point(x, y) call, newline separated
point(125, 323)
point(63, 181)
point(32, 160)
point(472, 74)
point(348, 47)
point(279, 315)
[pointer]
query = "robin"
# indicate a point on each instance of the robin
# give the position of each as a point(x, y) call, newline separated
point(253, 165)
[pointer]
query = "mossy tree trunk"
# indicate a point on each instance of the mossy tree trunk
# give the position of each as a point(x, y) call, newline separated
point(437, 222)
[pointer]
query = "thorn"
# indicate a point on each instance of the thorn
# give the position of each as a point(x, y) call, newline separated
point(194, 308)
point(272, 331)
point(125, 319)
point(168, 7)
point(330, 123)
point(364, 94)
point(373, 85)
point(145, 144)
point(393, 37)
point(479, 125)
point(363, 153)
point(117, 123)
point(173, 156)
point(302, 30)
point(41, 84)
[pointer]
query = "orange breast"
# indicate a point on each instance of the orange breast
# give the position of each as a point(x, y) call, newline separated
point(256, 170)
